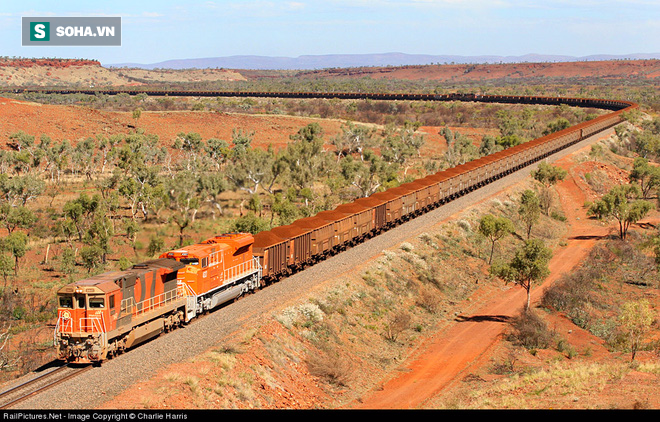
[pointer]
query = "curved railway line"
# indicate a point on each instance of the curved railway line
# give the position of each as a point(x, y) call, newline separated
point(412, 200)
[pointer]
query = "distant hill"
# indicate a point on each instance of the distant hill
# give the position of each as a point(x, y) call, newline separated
point(310, 62)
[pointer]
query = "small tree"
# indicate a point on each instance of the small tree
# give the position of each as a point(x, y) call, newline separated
point(635, 320)
point(68, 262)
point(92, 257)
point(17, 217)
point(529, 210)
point(16, 243)
point(156, 245)
point(6, 267)
point(647, 175)
point(494, 229)
point(622, 204)
point(132, 229)
point(529, 265)
point(137, 113)
point(547, 176)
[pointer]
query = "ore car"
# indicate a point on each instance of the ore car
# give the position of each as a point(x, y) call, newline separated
point(322, 236)
point(272, 252)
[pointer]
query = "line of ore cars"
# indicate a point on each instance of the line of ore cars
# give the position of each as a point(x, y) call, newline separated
point(109, 313)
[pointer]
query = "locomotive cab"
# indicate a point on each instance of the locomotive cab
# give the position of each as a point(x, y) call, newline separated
point(85, 314)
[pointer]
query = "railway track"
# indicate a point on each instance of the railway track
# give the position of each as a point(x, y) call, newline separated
point(39, 384)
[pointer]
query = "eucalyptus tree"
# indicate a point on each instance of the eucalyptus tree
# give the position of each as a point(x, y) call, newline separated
point(646, 175)
point(368, 176)
point(183, 200)
point(494, 228)
point(305, 159)
point(249, 168)
point(547, 176)
point(19, 190)
point(209, 186)
point(16, 243)
point(624, 204)
point(217, 150)
point(353, 139)
point(529, 209)
point(18, 217)
point(529, 265)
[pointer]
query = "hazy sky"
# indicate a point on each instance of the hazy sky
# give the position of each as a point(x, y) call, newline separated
point(154, 31)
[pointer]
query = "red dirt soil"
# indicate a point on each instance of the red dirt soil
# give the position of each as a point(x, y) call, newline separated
point(56, 63)
point(76, 123)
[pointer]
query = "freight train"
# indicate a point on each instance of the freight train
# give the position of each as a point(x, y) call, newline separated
point(104, 315)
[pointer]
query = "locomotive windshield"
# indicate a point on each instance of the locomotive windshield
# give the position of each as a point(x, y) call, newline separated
point(66, 302)
point(96, 302)
point(190, 261)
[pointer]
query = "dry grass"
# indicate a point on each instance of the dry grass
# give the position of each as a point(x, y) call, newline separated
point(560, 385)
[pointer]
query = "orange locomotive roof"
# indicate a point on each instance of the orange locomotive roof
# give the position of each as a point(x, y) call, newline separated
point(233, 241)
point(108, 281)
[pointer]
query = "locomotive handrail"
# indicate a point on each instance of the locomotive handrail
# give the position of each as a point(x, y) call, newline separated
point(94, 324)
point(237, 271)
point(155, 302)
point(185, 289)
point(63, 325)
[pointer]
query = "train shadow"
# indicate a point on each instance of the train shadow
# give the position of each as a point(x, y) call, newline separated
point(483, 318)
point(49, 365)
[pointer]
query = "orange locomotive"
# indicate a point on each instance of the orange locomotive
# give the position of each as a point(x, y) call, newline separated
point(106, 314)
point(217, 270)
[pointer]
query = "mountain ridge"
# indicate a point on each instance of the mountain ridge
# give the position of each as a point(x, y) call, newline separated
point(310, 62)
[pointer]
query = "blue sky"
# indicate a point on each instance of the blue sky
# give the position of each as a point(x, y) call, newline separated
point(154, 31)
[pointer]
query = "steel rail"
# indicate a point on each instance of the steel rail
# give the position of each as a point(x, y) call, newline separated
point(36, 380)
